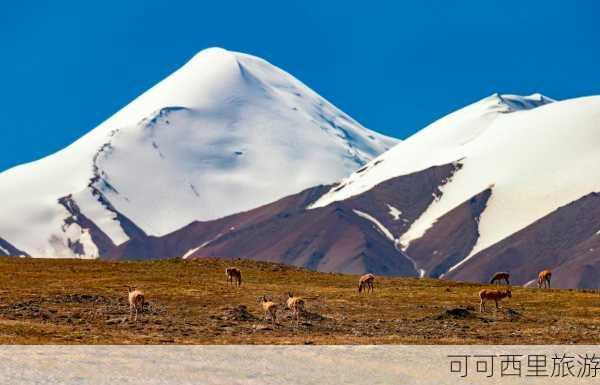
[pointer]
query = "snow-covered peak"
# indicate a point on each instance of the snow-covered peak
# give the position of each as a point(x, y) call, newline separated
point(225, 133)
point(213, 58)
point(444, 141)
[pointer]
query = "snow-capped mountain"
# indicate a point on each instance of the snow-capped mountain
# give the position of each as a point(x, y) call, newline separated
point(534, 160)
point(225, 133)
point(526, 156)
point(507, 183)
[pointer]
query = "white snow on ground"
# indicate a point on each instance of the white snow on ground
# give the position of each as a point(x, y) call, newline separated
point(72, 234)
point(90, 250)
point(192, 251)
point(384, 230)
point(535, 160)
point(104, 219)
point(225, 133)
point(4, 250)
point(394, 212)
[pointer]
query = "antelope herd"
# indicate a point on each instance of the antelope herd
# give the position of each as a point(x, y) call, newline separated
point(366, 282)
point(497, 296)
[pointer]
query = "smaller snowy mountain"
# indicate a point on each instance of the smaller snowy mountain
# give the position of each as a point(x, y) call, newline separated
point(518, 160)
point(225, 133)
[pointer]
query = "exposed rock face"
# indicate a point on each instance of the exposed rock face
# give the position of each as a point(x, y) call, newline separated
point(451, 238)
point(361, 234)
point(337, 238)
point(8, 250)
point(567, 241)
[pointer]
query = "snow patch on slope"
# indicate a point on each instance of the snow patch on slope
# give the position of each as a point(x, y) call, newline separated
point(191, 251)
point(384, 230)
point(79, 243)
point(106, 220)
point(394, 212)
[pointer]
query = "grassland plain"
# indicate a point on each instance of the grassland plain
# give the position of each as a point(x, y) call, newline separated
point(58, 301)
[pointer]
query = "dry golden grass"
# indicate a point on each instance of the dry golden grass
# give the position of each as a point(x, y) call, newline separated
point(84, 302)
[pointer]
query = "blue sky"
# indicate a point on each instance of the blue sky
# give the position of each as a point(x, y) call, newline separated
point(394, 66)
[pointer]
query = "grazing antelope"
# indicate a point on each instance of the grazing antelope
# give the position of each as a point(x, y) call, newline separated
point(366, 283)
point(234, 276)
point(544, 278)
point(296, 305)
point(136, 301)
point(492, 295)
point(269, 307)
point(499, 277)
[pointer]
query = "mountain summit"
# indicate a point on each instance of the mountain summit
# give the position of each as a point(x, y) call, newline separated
point(227, 132)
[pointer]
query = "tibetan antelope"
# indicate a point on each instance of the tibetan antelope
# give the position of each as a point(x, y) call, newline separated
point(296, 305)
point(136, 301)
point(492, 295)
point(269, 307)
point(366, 283)
point(499, 277)
point(234, 276)
point(544, 278)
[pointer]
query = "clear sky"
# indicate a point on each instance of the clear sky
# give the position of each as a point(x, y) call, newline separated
point(395, 66)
